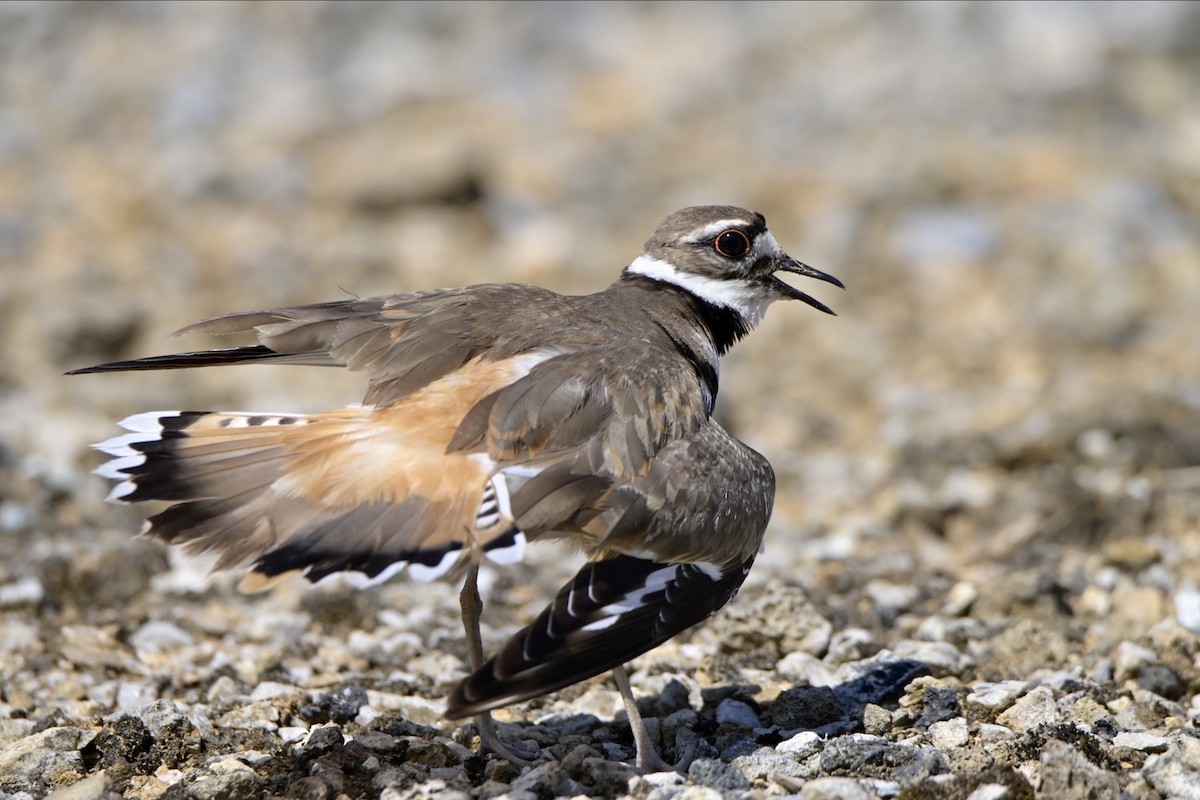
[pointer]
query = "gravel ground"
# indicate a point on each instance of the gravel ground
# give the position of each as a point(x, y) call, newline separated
point(983, 574)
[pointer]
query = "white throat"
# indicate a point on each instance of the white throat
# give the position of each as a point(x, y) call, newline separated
point(748, 299)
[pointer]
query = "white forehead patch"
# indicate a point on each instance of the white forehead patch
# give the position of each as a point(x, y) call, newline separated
point(748, 299)
point(765, 244)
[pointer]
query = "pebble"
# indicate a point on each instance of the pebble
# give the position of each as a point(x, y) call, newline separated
point(157, 635)
point(1129, 658)
point(995, 697)
point(833, 788)
point(94, 787)
point(876, 719)
point(806, 707)
point(1176, 773)
point(1066, 774)
point(273, 690)
point(40, 760)
point(802, 745)
point(261, 715)
point(960, 598)
point(990, 791)
point(948, 734)
point(892, 598)
point(717, 775)
point(1187, 608)
point(942, 658)
point(1137, 740)
point(1038, 707)
point(767, 764)
point(736, 712)
point(802, 667)
point(27, 591)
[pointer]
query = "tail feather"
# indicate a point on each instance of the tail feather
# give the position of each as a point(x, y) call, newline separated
point(340, 492)
point(200, 358)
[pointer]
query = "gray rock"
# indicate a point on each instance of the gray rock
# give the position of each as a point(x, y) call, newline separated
point(44, 759)
point(1067, 775)
point(158, 635)
point(1176, 773)
point(262, 715)
point(224, 781)
point(1162, 680)
point(835, 789)
point(990, 791)
point(802, 667)
point(136, 696)
point(93, 787)
point(685, 793)
point(1129, 658)
point(802, 745)
point(717, 775)
point(995, 697)
point(765, 764)
point(736, 712)
point(547, 779)
point(892, 598)
point(949, 734)
point(942, 658)
point(1146, 742)
point(1034, 709)
point(875, 757)
point(851, 644)
point(876, 719)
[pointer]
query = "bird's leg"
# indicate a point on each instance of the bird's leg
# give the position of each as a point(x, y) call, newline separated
point(472, 607)
point(648, 759)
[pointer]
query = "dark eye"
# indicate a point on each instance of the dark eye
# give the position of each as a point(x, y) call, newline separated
point(732, 244)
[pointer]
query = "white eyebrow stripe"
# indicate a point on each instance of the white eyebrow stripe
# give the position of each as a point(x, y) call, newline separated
point(713, 228)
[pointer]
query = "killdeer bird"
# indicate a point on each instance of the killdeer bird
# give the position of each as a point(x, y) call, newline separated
point(496, 415)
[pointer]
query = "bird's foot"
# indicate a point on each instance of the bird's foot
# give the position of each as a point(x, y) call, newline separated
point(648, 759)
point(489, 742)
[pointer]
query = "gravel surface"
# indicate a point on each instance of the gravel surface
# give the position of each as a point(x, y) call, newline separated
point(982, 578)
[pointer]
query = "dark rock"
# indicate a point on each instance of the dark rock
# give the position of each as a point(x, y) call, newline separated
point(1161, 680)
point(937, 705)
point(806, 707)
point(547, 780)
point(341, 706)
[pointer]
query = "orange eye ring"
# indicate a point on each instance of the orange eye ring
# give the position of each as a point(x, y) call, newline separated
point(732, 244)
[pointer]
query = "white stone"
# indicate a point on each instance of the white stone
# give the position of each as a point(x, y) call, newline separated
point(995, 696)
point(802, 745)
point(1187, 608)
point(949, 734)
point(1146, 742)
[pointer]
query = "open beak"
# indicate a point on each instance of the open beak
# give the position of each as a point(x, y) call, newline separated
point(789, 264)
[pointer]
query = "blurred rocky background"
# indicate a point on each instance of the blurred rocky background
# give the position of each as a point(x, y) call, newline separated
point(989, 462)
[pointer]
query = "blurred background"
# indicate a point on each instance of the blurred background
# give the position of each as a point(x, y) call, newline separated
point(1010, 192)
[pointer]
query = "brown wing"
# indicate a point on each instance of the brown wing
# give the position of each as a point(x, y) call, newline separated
point(403, 342)
point(579, 426)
